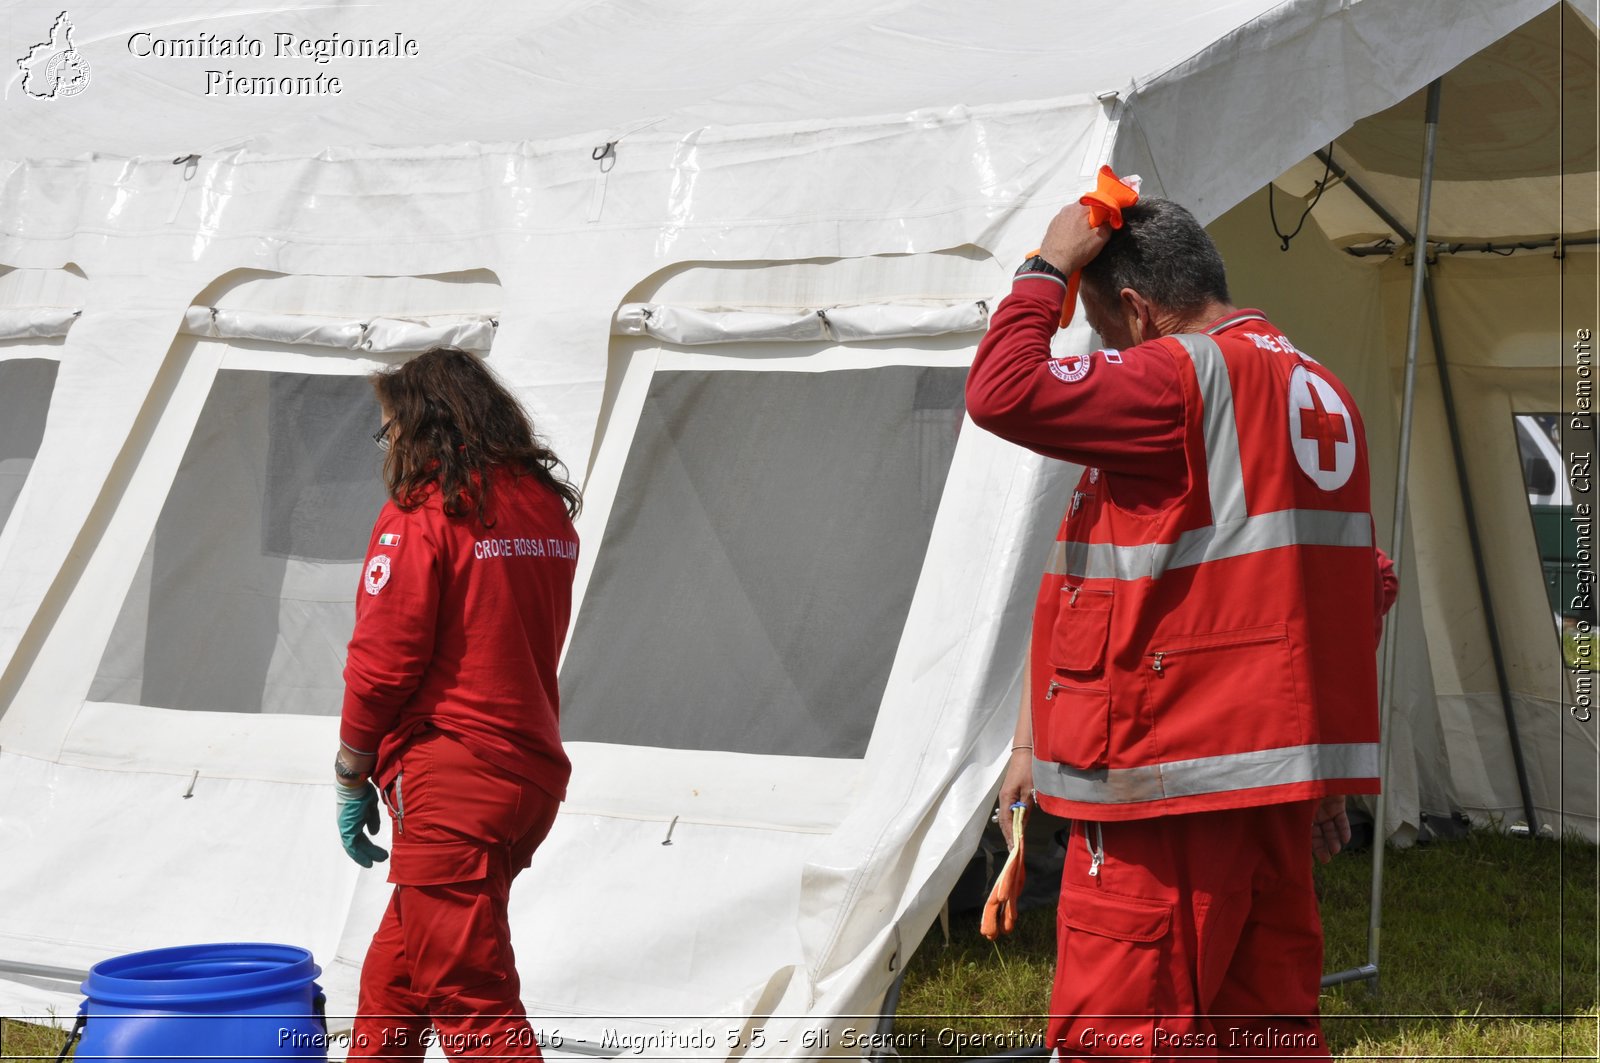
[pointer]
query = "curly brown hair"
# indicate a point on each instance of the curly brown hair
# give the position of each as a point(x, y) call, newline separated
point(453, 423)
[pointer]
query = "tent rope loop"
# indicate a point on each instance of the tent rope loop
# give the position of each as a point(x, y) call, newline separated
point(1320, 187)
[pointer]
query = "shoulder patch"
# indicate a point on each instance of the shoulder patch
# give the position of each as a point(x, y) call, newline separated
point(1071, 368)
point(376, 576)
point(388, 539)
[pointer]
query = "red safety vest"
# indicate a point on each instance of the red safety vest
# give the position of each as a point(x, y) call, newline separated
point(1217, 653)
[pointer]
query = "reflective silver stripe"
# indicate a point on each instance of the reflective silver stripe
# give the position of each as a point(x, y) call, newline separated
point(1265, 531)
point(1233, 531)
point(1207, 775)
point(1224, 468)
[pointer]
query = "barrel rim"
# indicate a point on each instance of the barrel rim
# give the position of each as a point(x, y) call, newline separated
point(117, 981)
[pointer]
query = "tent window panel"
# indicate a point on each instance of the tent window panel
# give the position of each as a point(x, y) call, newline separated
point(310, 476)
point(1556, 487)
point(244, 600)
point(26, 385)
point(760, 559)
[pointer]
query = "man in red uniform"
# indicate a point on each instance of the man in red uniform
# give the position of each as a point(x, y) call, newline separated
point(1202, 687)
point(451, 704)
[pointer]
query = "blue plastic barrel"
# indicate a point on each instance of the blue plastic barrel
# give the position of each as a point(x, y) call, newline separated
point(245, 1001)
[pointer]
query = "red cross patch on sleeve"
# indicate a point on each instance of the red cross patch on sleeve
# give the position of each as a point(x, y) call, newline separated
point(1070, 368)
point(377, 574)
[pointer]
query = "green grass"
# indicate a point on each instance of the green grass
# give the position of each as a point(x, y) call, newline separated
point(21, 1040)
point(1488, 951)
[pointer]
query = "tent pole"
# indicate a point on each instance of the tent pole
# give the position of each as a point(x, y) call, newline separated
point(1397, 536)
point(1490, 622)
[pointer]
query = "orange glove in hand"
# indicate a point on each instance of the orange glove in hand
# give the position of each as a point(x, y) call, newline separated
point(1000, 910)
point(1105, 203)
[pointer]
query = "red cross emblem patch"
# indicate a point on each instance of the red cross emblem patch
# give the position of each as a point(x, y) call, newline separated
point(1070, 368)
point(377, 574)
point(1321, 430)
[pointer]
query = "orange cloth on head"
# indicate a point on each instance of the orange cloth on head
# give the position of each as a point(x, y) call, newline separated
point(1105, 205)
point(1110, 195)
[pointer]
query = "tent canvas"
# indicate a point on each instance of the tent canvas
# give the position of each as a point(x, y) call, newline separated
point(866, 156)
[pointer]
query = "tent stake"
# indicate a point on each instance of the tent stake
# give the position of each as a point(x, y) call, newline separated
point(1419, 268)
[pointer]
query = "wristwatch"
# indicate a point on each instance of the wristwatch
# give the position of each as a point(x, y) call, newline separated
point(343, 771)
point(1037, 263)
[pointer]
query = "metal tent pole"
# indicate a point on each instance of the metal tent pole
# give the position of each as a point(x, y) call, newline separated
point(1397, 538)
point(1530, 814)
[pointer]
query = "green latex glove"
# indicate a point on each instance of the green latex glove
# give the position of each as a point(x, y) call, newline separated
point(358, 809)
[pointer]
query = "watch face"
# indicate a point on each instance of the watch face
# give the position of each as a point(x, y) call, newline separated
point(1038, 264)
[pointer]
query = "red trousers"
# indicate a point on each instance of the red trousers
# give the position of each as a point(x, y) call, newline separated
point(1192, 935)
point(440, 968)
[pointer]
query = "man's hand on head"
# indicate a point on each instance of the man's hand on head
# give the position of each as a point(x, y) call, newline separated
point(1071, 242)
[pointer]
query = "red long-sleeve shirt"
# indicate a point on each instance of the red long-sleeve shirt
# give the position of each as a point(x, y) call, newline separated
point(459, 626)
point(1123, 416)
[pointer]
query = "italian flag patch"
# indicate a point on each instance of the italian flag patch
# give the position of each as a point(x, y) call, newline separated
point(388, 539)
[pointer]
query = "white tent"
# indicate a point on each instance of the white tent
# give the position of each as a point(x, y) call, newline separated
point(734, 259)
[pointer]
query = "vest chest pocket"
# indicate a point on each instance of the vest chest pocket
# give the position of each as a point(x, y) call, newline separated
point(1082, 629)
point(1072, 724)
point(1228, 692)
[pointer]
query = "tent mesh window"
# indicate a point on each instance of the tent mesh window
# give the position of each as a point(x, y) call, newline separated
point(775, 523)
point(26, 385)
point(244, 599)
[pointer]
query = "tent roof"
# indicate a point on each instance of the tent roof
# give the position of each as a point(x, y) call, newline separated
point(489, 72)
point(1517, 124)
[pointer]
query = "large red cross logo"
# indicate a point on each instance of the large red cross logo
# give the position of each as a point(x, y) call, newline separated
point(1326, 427)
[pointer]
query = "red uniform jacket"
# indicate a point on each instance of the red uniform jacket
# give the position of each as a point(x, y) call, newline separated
point(1204, 636)
point(459, 627)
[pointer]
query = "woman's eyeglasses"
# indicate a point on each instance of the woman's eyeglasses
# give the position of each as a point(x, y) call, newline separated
point(381, 436)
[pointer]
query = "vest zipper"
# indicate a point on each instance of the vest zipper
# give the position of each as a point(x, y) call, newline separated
point(1157, 658)
point(1050, 691)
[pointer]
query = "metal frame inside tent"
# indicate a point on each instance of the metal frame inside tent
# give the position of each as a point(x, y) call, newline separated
point(1422, 298)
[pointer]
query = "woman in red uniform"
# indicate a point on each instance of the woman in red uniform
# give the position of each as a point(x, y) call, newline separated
point(451, 708)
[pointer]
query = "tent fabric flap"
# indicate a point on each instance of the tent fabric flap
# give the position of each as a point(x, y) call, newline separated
point(380, 335)
point(32, 323)
point(845, 324)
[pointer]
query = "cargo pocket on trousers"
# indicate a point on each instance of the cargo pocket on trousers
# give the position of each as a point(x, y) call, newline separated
point(1110, 967)
point(437, 863)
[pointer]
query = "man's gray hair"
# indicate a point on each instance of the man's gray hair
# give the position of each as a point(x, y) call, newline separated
point(1162, 253)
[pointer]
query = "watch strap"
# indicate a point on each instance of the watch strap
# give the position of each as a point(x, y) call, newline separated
point(1037, 263)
